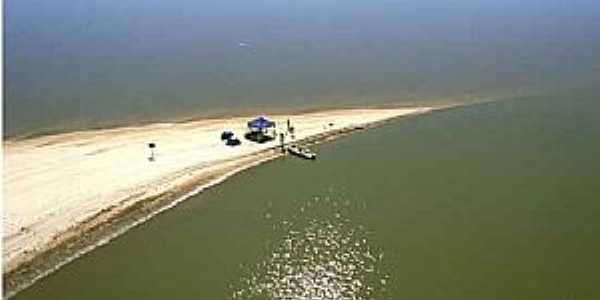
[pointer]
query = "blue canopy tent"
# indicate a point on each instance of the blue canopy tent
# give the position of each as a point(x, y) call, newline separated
point(259, 124)
point(258, 130)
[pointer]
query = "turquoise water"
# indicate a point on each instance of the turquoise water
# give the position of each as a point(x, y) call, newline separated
point(490, 201)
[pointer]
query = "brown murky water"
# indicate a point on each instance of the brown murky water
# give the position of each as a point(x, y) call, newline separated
point(491, 201)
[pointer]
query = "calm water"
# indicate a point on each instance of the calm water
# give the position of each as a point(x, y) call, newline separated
point(72, 64)
point(493, 201)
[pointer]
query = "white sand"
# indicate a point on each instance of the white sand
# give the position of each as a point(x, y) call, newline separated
point(53, 183)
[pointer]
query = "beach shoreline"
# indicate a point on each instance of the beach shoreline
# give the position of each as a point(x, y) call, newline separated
point(217, 115)
point(54, 237)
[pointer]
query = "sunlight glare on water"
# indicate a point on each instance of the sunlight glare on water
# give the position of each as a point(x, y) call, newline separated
point(323, 255)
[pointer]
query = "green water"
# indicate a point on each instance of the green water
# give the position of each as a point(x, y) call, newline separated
point(492, 201)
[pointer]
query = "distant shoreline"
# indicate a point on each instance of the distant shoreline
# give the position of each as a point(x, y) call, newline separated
point(220, 114)
point(28, 258)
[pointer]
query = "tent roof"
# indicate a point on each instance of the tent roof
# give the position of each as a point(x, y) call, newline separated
point(261, 123)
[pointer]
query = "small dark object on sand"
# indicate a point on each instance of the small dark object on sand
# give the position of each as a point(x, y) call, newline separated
point(258, 137)
point(151, 146)
point(233, 142)
point(226, 135)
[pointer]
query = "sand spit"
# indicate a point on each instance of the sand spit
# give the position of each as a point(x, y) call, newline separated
point(63, 189)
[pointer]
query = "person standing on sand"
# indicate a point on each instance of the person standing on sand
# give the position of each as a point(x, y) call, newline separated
point(282, 141)
point(290, 129)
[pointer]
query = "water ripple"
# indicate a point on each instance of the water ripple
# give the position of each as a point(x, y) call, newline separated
point(322, 255)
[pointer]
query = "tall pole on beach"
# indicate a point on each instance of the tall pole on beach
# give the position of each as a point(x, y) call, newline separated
point(151, 146)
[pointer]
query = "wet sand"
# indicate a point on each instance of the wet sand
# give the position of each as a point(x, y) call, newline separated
point(59, 187)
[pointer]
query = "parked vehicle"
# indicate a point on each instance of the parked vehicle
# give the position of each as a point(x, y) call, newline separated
point(226, 135)
point(233, 141)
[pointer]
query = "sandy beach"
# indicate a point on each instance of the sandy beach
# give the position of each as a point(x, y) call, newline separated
point(52, 184)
